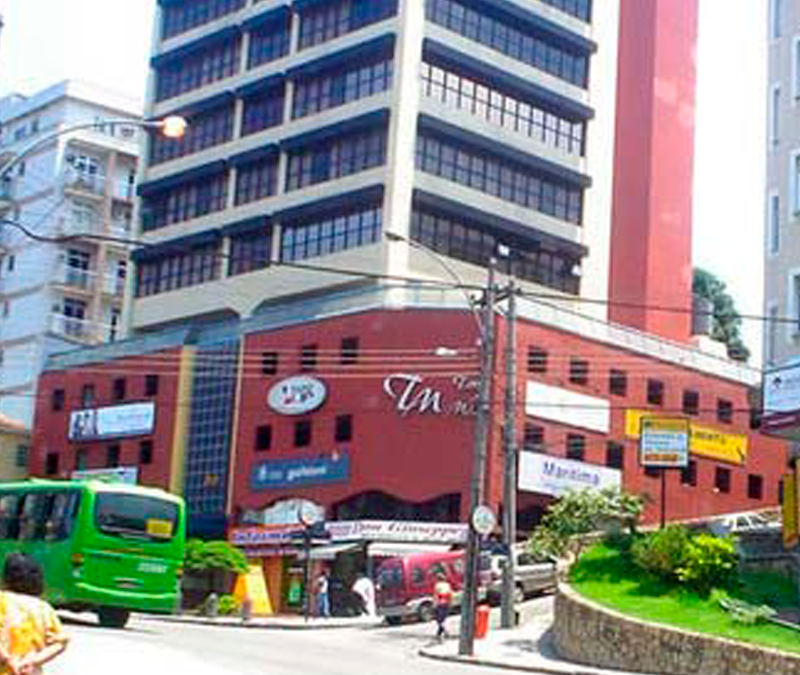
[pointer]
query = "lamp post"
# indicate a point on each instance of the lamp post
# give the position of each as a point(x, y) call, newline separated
point(485, 326)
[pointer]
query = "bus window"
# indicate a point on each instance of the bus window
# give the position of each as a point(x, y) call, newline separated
point(9, 516)
point(35, 512)
point(62, 515)
point(136, 516)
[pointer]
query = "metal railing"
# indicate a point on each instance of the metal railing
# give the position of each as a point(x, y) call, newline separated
point(84, 182)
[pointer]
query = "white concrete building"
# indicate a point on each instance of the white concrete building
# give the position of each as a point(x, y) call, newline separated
point(58, 294)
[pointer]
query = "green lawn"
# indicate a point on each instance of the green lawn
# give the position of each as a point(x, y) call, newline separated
point(603, 575)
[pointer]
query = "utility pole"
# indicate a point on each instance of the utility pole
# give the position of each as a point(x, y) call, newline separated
point(466, 641)
point(508, 608)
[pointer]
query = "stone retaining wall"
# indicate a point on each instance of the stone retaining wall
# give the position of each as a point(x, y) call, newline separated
point(585, 633)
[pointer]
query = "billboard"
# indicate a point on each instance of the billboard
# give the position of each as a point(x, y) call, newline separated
point(782, 397)
point(282, 473)
point(131, 419)
point(556, 476)
point(664, 442)
point(567, 407)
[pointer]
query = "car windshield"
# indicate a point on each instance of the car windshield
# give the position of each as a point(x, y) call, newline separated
point(136, 516)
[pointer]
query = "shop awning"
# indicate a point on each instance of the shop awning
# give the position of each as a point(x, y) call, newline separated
point(329, 551)
point(392, 548)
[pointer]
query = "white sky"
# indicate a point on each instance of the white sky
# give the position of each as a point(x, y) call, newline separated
point(108, 42)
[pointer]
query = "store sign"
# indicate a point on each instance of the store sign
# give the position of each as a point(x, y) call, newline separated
point(567, 407)
point(664, 442)
point(704, 440)
point(782, 397)
point(132, 419)
point(282, 473)
point(397, 530)
point(412, 395)
point(263, 535)
point(297, 395)
point(284, 512)
point(556, 476)
point(121, 474)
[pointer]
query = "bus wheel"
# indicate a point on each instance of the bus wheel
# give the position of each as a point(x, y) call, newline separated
point(113, 617)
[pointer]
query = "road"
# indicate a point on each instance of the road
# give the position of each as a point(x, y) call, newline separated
point(151, 647)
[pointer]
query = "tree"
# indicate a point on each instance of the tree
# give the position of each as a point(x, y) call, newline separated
point(202, 556)
point(725, 320)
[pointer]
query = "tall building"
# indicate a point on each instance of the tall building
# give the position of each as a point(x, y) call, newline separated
point(54, 294)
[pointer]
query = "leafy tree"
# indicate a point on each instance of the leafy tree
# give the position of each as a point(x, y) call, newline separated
point(579, 513)
point(725, 320)
point(201, 556)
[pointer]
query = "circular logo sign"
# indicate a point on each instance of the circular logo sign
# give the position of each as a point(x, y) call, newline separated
point(297, 395)
point(483, 520)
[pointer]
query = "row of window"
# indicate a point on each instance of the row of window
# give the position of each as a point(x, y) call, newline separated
point(119, 392)
point(506, 36)
point(113, 458)
point(37, 515)
point(326, 21)
point(309, 357)
point(178, 18)
point(534, 441)
point(179, 270)
point(470, 242)
point(537, 362)
point(499, 177)
point(511, 112)
point(191, 199)
point(581, 9)
point(303, 433)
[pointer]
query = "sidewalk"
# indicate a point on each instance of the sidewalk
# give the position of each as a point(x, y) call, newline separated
point(285, 622)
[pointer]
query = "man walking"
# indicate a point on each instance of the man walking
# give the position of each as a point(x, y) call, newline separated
point(442, 597)
point(323, 599)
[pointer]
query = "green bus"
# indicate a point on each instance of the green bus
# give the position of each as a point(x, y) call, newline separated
point(105, 547)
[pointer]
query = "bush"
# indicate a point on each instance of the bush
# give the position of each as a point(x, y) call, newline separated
point(662, 553)
point(709, 562)
point(213, 555)
point(228, 605)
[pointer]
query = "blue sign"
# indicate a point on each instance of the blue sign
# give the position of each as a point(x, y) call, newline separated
point(281, 473)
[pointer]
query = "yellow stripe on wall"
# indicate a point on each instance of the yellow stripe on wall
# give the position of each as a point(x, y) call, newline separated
point(180, 433)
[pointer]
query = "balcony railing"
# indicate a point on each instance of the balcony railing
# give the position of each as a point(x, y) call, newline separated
point(72, 327)
point(80, 181)
point(113, 285)
point(75, 277)
point(70, 226)
point(7, 190)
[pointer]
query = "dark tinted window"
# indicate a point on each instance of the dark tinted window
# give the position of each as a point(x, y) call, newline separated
point(269, 363)
point(349, 352)
point(655, 392)
point(135, 516)
point(344, 428)
point(615, 455)
point(57, 400)
point(578, 371)
point(755, 486)
point(264, 437)
point(302, 433)
point(151, 385)
point(9, 516)
point(618, 382)
point(722, 479)
point(691, 402)
point(724, 411)
point(689, 474)
point(537, 360)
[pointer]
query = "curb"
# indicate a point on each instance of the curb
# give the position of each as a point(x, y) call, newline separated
point(490, 663)
point(238, 623)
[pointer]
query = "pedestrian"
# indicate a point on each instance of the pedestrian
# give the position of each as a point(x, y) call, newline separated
point(31, 633)
point(323, 599)
point(442, 597)
point(365, 590)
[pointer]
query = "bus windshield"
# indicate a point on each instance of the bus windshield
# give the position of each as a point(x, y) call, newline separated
point(136, 516)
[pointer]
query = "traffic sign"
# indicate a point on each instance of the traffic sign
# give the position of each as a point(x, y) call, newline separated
point(483, 520)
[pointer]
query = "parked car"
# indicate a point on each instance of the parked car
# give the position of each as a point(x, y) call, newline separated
point(737, 523)
point(531, 574)
point(405, 584)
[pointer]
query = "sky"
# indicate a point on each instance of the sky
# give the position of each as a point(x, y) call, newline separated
point(108, 42)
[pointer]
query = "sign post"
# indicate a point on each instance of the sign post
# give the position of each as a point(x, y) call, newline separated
point(664, 443)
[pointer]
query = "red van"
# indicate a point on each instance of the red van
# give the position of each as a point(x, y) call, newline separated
point(405, 584)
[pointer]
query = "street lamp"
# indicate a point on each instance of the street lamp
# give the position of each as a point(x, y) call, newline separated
point(485, 325)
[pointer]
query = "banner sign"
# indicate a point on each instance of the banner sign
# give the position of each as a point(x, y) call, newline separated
point(790, 524)
point(263, 535)
point(567, 407)
point(297, 395)
point(131, 419)
point(556, 476)
point(664, 442)
point(704, 440)
point(397, 530)
point(282, 473)
point(122, 474)
point(782, 398)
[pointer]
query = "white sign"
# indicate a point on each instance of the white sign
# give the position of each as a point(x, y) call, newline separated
point(297, 395)
point(664, 442)
point(123, 474)
point(483, 520)
point(397, 530)
point(567, 407)
point(284, 512)
point(556, 476)
point(132, 419)
point(782, 390)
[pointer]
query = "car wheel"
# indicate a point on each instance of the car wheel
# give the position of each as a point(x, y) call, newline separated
point(425, 612)
point(113, 617)
point(394, 620)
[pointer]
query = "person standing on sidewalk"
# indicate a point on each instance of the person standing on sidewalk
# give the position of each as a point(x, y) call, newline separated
point(365, 590)
point(323, 598)
point(442, 597)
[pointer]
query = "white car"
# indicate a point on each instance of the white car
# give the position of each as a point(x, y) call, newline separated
point(736, 523)
point(531, 575)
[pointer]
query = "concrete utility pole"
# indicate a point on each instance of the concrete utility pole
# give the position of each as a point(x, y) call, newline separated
point(466, 641)
point(508, 608)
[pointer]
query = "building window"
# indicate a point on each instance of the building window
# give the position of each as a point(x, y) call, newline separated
point(722, 479)
point(580, 9)
point(329, 234)
point(615, 455)
point(204, 65)
point(180, 17)
point(755, 486)
point(192, 199)
point(533, 438)
point(203, 130)
point(772, 334)
point(794, 182)
point(510, 37)
point(51, 464)
point(21, 456)
point(341, 155)
point(344, 428)
point(145, 452)
point(57, 400)
point(264, 437)
point(308, 358)
point(578, 371)
point(321, 22)
point(11, 262)
point(263, 110)
point(269, 363)
point(483, 98)
point(250, 252)
point(775, 115)
point(178, 270)
point(88, 396)
point(537, 360)
point(112, 455)
point(331, 89)
point(256, 180)
point(618, 382)
point(151, 385)
point(653, 471)
point(349, 351)
point(774, 224)
point(302, 434)
point(576, 447)
point(500, 177)
point(118, 389)
point(689, 474)
point(691, 402)
point(269, 41)
point(724, 411)
point(81, 459)
point(776, 18)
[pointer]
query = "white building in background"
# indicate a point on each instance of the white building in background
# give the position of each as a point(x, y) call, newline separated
point(56, 295)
